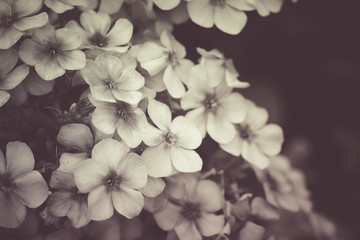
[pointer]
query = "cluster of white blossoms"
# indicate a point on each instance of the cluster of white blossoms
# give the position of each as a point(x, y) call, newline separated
point(132, 140)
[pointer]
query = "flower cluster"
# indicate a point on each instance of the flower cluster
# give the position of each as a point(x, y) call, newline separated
point(122, 114)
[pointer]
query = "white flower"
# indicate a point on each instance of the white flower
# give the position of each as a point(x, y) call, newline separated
point(171, 146)
point(255, 140)
point(213, 109)
point(112, 178)
point(227, 15)
point(169, 55)
point(220, 69)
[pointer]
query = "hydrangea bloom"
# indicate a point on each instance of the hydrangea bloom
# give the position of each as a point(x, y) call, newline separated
point(17, 16)
point(10, 77)
point(193, 215)
point(68, 200)
point(170, 55)
point(112, 177)
point(112, 80)
point(95, 32)
point(52, 52)
point(255, 140)
point(171, 144)
point(227, 15)
point(213, 109)
point(20, 186)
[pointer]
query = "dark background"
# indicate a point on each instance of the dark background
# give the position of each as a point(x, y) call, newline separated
point(303, 65)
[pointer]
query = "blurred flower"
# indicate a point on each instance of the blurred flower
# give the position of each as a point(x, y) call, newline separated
point(112, 178)
point(284, 186)
point(68, 200)
point(128, 121)
point(52, 52)
point(255, 140)
point(227, 15)
point(193, 215)
point(10, 77)
point(213, 109)
point(61, 6)
point(112, 80)
point(20, 186)
point(220, 69)
point(170, 55)
point(95, 32)
point(171, 144)
point(166, 4)
point(17, 16)
point(265, 7)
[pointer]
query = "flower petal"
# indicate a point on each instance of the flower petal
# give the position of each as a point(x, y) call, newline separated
point(234, 147)
point(153, 187)
point(71, 60)
point(12, 212)
point(209, 196)
point(2, 163)
point(129, 80)
point(89, 175)
point(31, 189)
point(9, 36)
point(58, 6)
point(252, 154)
point(19, 159)
point(256, 116)
point(4, 97)
point(61, 180)
point(230, 20)
point(186, 133)
point(35, 21)
point(173, 83)
point(219, 128)
point(187, 230)
point(157, 160)
point(198, 117)
point(95, 22)
point(37, 86)
point(67, 39)
point(202, 12)
point(185, 160)
point(79, 214)
point(109, 152)
point(269, 139)
point(233, 107)
point(76, 136)
point(120, 33)
point(168, 216)
point(49, 68)
point(100, 204)
point(133, 172)
point(59, 203)
point(24, 8)
point(31, 52)
point(128, 202)
point(128, 133)
point(160, 114)
point(105, 118)
point(166, 4)
point(11, 56)
point(210, 224)
point(14, 78)
point(152, 57)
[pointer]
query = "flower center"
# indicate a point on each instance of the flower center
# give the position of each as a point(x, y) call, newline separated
point(190, 211)
point(173, 59)
point(98, 40)
point(7, 21)
point(245, 132)
point(80, 196)
point(210, 103)
point(5, 183)
point(53, 49)
point(111, 181)
point(169, 138)
point(123, 110)
point(220, 3)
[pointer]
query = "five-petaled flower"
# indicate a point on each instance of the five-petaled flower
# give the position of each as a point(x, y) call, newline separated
point(52, 51)
point(112, 178)
point(171, 144)
point(20, 185)
point(17, 16)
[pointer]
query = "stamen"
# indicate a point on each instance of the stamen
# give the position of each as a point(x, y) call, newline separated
point(190, 211)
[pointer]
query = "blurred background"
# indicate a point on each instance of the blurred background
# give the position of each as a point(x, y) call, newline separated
point(303, 65)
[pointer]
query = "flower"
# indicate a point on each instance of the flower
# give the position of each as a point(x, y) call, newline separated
point(255, 140)
point(265, 7)
point(128, 121)
point(227, 15)
point(170, 55)
point(213, 109)
point(96, 33)
point(284, 185)
point(52, 52)
point(220, 69)
point(112, 80)
point(193, 215)
point(68, 200)
point(61, 6)
point(17, 16)
point(10, 77)
point(20, 186)
point(112, 177)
